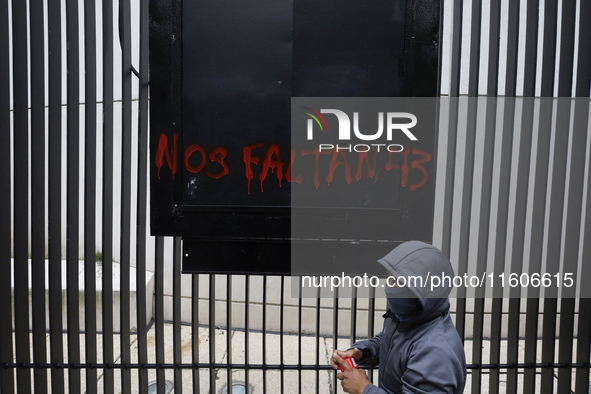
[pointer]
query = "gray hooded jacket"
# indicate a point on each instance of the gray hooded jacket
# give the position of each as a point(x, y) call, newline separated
point(423, 354)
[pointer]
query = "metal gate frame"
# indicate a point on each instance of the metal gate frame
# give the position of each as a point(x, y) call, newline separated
point(18, 370)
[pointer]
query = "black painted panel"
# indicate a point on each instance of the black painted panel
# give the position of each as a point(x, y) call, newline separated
point(222, 77)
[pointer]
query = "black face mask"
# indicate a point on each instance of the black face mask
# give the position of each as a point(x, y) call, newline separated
point(403, 302)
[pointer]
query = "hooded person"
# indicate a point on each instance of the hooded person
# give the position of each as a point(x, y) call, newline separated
point(419, 349)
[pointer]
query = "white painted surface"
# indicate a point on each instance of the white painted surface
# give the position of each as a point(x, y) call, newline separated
point(99, 307)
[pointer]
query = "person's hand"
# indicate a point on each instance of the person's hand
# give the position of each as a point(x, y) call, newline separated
point(355, 353)
point(353, 380)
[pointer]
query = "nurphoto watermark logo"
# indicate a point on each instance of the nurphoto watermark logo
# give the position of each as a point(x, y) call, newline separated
point(362, 171)
point(395, 122)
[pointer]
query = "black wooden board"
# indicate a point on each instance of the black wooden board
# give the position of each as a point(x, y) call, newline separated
point(222, 76)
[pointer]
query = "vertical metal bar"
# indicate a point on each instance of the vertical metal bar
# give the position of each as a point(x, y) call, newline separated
point(539, 192)
point(353, 316)
point(474, 68)
point(90, 195)
point(486, 191)
point(575, 199)
point(212, 371)
point(485, 210)
point(335, 333)
point(317, 340)
point(503, 205)
point(573, 222)
point(300, 338)
point(37, 40)
point(501, 241)
point(565, 348)
point(477, 342)
point(125, 38)
point(73, 191)
point(107, 197)
point(553, 249)
point(159, 309)
point(512, 49)
point(176, 315)
point(549, 47)
point(583, 340)
point(554, 240)
point(195, 331)
point(531, 340)
point(574, 208)
point(55, 194)
point(456, 57)
point(548, 344)
point(264, 334)
point(495, 343)
point(229, 331)
point(466, 211)
point(456, 50)
point(281, 321)
point(142, 330)
point(558, 188)
point(567, 48)
point(525, 145)
point(518, 240)
point(21, 193)
point(6, 350)
point(371, 311)
point(584, 51)
point(247, 327)
point(142, 213)
point(531, 48)
point(440, 51)
point(582, 90)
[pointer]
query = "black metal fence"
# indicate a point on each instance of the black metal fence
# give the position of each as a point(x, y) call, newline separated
point(544, 63)
point(36, 124)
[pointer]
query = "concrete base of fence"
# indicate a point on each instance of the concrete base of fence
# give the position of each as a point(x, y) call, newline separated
point(99, 295)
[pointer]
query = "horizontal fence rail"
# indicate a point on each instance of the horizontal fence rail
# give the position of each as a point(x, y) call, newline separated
point(98, 305)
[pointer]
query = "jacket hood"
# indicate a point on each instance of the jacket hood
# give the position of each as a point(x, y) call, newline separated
point(418, 262)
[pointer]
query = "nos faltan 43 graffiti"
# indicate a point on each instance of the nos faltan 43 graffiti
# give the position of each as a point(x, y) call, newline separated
point(258, 160)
